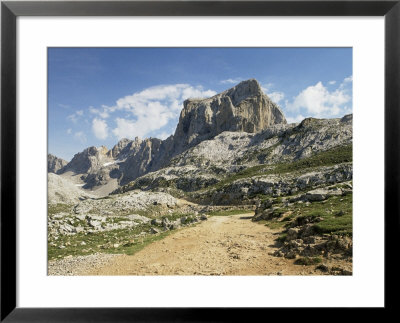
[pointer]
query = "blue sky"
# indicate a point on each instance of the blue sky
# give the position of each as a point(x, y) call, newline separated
point(100, 95)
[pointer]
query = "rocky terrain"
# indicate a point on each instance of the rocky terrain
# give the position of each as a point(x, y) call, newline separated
point(55, 164)
point(223, 245)
point(243, 108)
point(61, 190)
point(236, 166)
point(232, 153)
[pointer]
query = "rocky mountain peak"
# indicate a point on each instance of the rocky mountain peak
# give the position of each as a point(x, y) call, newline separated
point(118, 148)
point(236, 94)
point(88, 160)
point(244, 90)
point(55, 164)
point(243, 108)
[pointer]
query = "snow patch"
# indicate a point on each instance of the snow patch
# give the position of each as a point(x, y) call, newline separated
point(112, 163)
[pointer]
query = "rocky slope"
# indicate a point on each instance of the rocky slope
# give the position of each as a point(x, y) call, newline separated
point(88, 161)
point(243, 108)
point(61, 190)
point(117, 223)
point(279, 160)
point(55, 164)
point(232, 152)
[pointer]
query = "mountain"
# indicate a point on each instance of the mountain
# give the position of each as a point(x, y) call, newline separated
point(88, 161)
point(233, 153)
point(235, 166)
point(55, 164)
point(242, 108)
point(61, 190)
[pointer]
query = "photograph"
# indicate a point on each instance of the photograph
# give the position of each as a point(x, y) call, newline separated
point(188, 161)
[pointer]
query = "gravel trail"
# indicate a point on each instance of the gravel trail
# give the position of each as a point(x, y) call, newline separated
point(75, 266)
point(223, 245)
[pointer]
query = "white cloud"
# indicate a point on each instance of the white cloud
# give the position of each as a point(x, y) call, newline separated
point(231, 81)
point(75, 116)
point(276, 96)
point(153, 118)
point(318, 101)
point(266, 87)
point(72, 118)
point(332, 82)
point(348, 79)
point(80, 136)
point(69, 131)
point(152, 108)
point(100, 128)
point(125, 128)
point(103, 114)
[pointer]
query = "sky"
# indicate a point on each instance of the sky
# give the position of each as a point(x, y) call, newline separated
point(97, 96)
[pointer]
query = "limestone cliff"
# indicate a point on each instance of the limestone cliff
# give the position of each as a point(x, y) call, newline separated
point(243, 108)
point(87, 161)
point(55, 164)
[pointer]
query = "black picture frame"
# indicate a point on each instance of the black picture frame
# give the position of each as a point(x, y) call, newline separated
point(10, 10)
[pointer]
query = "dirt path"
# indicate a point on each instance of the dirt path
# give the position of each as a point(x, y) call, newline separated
point(222, 245)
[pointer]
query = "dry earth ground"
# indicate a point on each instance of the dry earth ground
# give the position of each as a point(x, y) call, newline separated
point(223, 245)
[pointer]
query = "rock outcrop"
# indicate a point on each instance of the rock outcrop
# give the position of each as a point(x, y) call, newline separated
point(88, 161)
point(121, 148)
point(55, 164)
point(230, 153)
point(214, 139)
point(143, 156)
point(243, 108)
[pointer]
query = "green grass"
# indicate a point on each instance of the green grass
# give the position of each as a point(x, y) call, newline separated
point(328, 211)
point(273, 224)
point(248, 172)
point(330, 157)
point(132, 248)
point(175, 216)
point(58, 208)
point(336, 213)
point(127, 240)
point(281, 238)
point(151, 211)
point(229, 212)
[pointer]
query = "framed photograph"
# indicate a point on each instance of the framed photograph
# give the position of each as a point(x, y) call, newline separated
point(162, 159)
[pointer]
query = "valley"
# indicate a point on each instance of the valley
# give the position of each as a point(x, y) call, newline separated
point(235, 191)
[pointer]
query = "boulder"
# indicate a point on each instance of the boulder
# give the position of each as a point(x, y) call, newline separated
point(292, 233)
point(157, 222)
point(317, 195)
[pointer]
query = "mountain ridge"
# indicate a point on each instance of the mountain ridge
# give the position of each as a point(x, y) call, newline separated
point(243, 107)
point(55, 164)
